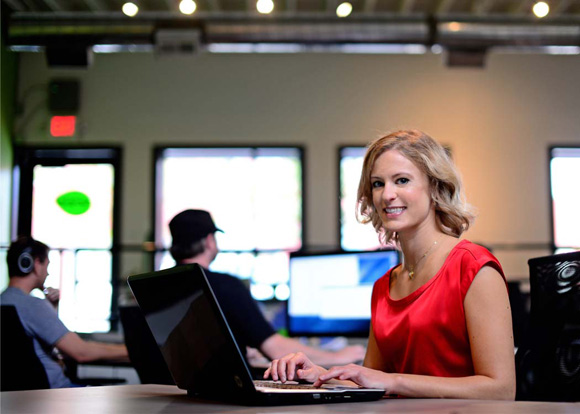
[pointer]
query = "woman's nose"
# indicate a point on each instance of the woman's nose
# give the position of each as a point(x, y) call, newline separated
point(389, 192)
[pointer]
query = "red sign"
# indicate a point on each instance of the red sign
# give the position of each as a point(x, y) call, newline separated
point(63, 126)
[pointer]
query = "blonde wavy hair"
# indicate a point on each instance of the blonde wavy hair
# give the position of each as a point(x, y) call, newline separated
point(453, 214)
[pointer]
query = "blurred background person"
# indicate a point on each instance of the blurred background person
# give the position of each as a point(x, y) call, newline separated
point(28, 261)
point(193, 241)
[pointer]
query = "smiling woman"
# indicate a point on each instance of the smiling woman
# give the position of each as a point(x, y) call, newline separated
point(440, 321)
point(425, 154)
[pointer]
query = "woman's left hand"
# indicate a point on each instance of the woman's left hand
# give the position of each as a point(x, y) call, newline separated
point(365, 377)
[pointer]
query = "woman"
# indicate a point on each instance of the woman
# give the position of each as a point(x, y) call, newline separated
point(441, 321)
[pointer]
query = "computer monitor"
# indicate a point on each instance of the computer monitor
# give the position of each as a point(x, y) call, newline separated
point(330, 293)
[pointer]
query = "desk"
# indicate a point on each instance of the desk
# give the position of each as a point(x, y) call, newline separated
point(129, 399)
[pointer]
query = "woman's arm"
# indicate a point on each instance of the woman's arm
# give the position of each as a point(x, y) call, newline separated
point(373, 358)
point(488, 319)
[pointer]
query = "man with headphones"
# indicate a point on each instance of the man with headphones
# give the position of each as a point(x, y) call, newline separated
point(27, 269)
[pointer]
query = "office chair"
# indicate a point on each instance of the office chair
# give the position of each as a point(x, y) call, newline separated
point(20, 367)
point(519, 304)
point(548, 362)
point(143, 350)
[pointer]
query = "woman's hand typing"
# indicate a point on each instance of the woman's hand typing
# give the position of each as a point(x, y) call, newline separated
point(365, 377)
point(293, 367)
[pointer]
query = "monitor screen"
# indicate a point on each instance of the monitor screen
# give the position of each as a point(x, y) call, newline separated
point(330, 293)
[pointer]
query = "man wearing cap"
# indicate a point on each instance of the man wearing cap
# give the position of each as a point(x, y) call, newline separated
point(193, 233)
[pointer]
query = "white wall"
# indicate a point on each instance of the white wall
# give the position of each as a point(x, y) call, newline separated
point(499, 122)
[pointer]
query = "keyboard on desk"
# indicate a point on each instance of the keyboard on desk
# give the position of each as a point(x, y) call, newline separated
point(289, 385)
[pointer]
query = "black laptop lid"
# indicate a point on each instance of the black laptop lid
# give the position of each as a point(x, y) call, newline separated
point(190, 330)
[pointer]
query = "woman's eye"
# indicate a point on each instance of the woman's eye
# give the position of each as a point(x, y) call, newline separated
point(377, 184)
point(402, 180)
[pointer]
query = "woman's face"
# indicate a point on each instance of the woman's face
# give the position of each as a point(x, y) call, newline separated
point(401, 193)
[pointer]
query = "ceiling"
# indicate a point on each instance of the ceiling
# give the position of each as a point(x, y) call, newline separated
point(453, 24)
point(511, 8)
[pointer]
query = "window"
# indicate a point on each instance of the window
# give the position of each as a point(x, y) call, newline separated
point(353, 235)
point(67, 200)
point(254, 195)
point(565, 197)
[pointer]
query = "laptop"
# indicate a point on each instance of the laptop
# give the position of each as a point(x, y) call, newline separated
point(201, 352)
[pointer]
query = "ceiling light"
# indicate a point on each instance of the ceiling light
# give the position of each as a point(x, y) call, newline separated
point(130, 9)
point(187, 6)
point(265, 6)
point(541, 9)
point(344, 9)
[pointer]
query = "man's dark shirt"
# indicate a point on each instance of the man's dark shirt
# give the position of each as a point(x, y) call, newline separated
point(244, 317)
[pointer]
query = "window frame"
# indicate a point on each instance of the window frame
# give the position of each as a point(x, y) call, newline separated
point(551, 148)
point(26, 157)
point(158, 156)
point(341, 148)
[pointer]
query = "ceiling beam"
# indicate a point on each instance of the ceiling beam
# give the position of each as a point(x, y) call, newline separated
point(95, 5)
point(561, 7)
point(291, 6)
point(444, 6)
point(369, 6)
point(524, 7)
point(30, 5)
point(54, 5)
point(407, 6)
point(482, 7)
point(330, 6)
point(15, 5)
point(214, 5)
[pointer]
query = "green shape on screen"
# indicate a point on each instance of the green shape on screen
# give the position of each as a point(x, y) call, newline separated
point(74, 202)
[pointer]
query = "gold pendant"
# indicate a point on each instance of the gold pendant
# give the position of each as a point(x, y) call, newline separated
point(411, 274)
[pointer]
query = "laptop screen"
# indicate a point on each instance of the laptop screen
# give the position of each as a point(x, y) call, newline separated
point(330, 293)
point(185, 322)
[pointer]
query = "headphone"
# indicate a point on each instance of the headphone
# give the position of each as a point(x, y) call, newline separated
point(26, 261)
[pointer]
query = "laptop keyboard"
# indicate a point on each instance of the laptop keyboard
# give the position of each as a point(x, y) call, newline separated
point(290, 385)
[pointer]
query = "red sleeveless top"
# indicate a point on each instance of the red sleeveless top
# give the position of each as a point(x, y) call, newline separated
point(425, 333)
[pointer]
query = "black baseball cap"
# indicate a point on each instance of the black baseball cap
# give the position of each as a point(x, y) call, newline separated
point(190, 226)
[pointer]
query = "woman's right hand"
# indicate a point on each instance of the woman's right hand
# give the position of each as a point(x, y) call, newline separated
point(293, 367)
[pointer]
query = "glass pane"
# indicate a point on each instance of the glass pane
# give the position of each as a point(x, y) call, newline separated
point(93, 291)
point(564, 173)
point(72, 209)
point(270, 269)
point(216, 184)
point(241, 265)
point(246, 190)
point(72, 205)
point(353, 235)
point(277, 203)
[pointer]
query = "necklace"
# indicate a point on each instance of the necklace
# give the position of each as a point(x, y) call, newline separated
point(411, 269)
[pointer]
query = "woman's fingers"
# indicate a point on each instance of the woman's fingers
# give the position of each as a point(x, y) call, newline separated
point(274, 369)
point(282, 369)
point(291, 367)
point(346, 372)
point(310, 375)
